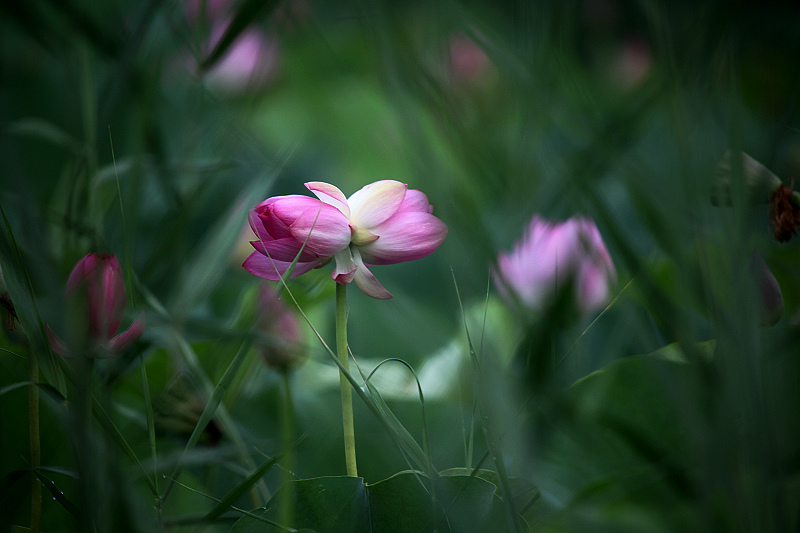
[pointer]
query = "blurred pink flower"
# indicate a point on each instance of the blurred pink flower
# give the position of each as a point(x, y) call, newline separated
point(468, 60)
point(381, 224)
point(550, 256)
point(96, 284)
point(281, 346)
point(632, 64)
point(251, 59)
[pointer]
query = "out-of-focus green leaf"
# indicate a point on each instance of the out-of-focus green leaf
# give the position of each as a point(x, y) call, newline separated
point(44, 130)
point(210, 409)
point(22, 294)
point(621, 435)
point(56, 493)
point(675, 352)
point(204, 270)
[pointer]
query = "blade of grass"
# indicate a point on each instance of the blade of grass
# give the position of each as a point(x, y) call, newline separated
point(108, 425)
point(425, 434)
point(603, 312)
point(210, 408)
point(227, 502)
point(36, 444)
point(192, 361)
point(21, 291)
point(151, 436)
point(205, 269)
point(254, 516)
point(15, 386)
point(55, 492)
point(228, 426)
point(486, 416)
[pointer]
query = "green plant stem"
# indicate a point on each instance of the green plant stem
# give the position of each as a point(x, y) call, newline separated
point(36, 450)
point(286, 513)
point(344, 384)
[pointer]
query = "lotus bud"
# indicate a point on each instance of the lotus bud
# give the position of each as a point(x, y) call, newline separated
point(281, 343)
point(96, 288)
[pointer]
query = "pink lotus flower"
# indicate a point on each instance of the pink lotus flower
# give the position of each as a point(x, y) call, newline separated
point(96, 284)
point(553, 254)
point(381, 224)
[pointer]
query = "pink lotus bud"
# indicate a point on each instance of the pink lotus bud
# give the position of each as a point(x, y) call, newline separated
point(281, 346)
point(381, 224)
point(556, 255)
point(96, 284)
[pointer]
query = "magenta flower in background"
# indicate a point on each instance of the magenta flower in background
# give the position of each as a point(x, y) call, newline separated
point(381, 224)
point(251, 60)
point(468, 61)
point(96, 284)
point(549, 256)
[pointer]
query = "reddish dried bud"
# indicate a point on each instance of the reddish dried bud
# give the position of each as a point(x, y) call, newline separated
point(784, 213)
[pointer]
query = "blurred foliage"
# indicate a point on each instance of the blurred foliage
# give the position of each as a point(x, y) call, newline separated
point(126, 128)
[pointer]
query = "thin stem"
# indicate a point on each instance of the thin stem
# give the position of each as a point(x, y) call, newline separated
point(36, 450)
point(344, 385)
point(286, 514)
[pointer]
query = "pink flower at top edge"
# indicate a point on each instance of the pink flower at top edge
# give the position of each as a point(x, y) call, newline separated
point(381, 224)
point(96, 283)
point(549, 256)
point(250, 61)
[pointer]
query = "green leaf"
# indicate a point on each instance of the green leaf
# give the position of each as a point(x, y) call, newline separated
point(629, 431)
point(108, 425)
point(209, 410)
point(55, 492)
point(206, 268)
point(45, 131)
point(22, 294)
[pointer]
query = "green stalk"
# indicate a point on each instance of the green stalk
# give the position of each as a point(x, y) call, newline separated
point(344, 385)
point(286, 514)
point(36, 450)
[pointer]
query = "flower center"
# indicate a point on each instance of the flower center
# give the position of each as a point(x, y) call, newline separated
point(361, 237)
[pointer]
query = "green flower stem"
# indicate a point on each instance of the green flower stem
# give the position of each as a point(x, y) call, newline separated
point(36, 450)
point(344, 385)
